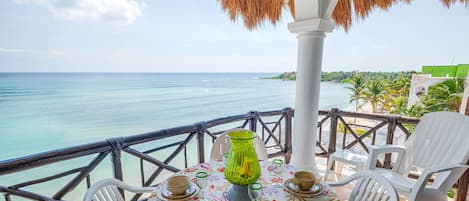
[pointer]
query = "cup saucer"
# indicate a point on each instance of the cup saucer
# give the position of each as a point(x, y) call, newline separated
point(191, 191)
point(315, 190)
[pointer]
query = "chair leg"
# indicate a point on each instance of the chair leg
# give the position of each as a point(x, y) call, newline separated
point(340, 167)
point(330, 162)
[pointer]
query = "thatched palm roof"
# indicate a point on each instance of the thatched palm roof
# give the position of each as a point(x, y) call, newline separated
point(256, 12)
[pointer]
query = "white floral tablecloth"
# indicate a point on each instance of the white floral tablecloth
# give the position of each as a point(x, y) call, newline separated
point(218, 185)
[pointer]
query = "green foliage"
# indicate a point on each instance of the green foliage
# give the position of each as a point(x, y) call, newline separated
point(344, 77)
point(386, 90)
point(356, 89)
point(336, 76)
point(400, 105)
point(374, 94)
point(390, 91)
point(444, 96)
point(414, 111)
point(400, 86)
point(286, 76)
point(380, 89)
point(409, 127)
point(358, 131)
point(451, 193)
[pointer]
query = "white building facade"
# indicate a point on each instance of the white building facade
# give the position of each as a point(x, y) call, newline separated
point(419, 85)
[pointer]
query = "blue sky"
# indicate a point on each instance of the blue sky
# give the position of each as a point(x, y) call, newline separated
point(197, 36)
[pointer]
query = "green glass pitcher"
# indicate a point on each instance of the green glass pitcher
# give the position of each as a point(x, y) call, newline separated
point(242, 167)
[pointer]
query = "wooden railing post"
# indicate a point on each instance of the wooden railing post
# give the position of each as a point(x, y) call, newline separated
point(334, 115)
point(463, 185)
point(200, 141)
point(392, 123)
point(116, 148)
point(288, 115)
point(333, 131)
point(253, 121)
point(6, 196)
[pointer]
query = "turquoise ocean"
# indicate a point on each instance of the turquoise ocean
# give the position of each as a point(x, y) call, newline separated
point(45, 111)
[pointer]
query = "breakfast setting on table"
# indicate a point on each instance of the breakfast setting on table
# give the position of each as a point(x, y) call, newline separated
point(240, 172)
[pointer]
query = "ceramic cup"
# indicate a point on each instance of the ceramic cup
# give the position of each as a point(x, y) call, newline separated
point(178, 184)
point(304, 179)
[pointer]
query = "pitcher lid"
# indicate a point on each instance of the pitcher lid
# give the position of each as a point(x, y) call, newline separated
point(240, 134)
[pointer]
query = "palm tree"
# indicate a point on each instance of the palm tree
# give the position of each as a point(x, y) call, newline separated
point(415, 111)
point(374, 93)
point(446, 95)
point(399, 105)
point(397, 93)
point(356, 89)
point(400, 86)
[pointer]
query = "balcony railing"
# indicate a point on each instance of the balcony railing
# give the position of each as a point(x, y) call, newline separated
point(150, 157)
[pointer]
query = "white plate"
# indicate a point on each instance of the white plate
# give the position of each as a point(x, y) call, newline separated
point(191, 192)
point(315, 190)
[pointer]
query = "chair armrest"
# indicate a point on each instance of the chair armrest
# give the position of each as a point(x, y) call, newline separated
point(359, 175)
point(142, 189)
point(444, 168)
point(135, 189)
point(375, 150)
point(456, 170)
point(386, 148)
point(353, 177)
point(114, 183)
point(342, 182)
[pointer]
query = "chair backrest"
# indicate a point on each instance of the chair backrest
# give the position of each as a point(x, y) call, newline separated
point(104, 190)
point(222, 146)
point(441, 138)
point(108, 190)
point(370, 186)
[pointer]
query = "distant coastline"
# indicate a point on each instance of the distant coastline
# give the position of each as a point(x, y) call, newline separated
point(339, 76)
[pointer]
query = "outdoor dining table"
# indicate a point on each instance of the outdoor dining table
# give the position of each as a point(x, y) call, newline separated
point(218, 186)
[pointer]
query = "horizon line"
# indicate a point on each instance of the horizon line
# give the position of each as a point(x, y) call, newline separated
point(165, 72)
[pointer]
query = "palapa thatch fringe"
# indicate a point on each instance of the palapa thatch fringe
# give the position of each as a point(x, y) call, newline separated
point(255, 12)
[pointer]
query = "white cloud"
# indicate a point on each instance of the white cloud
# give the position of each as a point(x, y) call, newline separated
point(35, 53)
point(56, 53)
point(115, 11)
point(9, 50)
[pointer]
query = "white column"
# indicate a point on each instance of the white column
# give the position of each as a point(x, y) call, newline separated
point(311, 34)
point(465, 97)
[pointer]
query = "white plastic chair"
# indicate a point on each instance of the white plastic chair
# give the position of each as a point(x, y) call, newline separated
point(108, 190)
point(348, 157)
point(370, 186)
point(222, 146)
point(439, 146)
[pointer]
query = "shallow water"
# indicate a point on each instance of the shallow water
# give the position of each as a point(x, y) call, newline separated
point(43, 111)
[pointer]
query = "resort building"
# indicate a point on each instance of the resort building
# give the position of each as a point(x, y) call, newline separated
point(459, 70)
point(431, 75)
